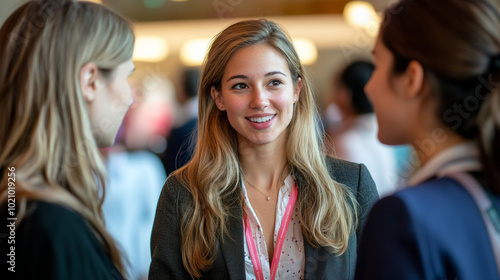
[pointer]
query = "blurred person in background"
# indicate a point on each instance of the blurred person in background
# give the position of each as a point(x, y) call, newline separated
point(153, 114)
point(180, 142)
point(62, 95)
point(260, 196)
point(354, 137)
point(436, 86)
point(136, 174)
point(134, 181)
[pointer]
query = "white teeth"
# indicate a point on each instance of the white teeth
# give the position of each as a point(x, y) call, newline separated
point(261, 120)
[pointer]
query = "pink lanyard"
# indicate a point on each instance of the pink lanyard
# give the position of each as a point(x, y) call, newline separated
point(279, 242)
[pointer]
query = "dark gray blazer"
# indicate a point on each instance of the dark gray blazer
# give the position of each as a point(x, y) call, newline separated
point(229, 263)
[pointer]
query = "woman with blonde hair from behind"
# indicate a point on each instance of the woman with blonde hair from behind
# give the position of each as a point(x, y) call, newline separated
point(259, 199)
point(63, 93)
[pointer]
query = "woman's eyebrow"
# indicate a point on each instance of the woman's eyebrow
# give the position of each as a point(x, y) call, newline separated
point(237, 77)
point(266, 75)
point(275, 73)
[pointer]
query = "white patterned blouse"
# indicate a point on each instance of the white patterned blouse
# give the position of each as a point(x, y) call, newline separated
point(292, 260)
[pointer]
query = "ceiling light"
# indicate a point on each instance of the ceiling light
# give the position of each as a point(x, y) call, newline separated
point(306, 50)
point(93, 1)
point(360, 14)
point(193, 51)
point(150, 49)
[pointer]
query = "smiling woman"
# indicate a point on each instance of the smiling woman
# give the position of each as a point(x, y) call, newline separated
point(259, 185)
point(258, 93)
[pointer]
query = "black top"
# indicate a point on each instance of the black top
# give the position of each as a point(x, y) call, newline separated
point(52, 242)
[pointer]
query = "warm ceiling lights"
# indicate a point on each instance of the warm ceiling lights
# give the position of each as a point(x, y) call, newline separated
point(193, 51)
point(150, 49)
point(306, 50)
point(94, 1)
point(361, 14)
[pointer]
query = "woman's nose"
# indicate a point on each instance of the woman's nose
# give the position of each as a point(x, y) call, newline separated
point(259, 98)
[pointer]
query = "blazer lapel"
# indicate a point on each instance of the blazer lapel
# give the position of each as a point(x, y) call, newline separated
point(232, 246)
point(316, 259)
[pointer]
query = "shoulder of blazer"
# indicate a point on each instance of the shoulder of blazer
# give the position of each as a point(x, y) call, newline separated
point(175, 187)
point(230, 255)
point(345, 172)
point(358, 180)
point(178, 193)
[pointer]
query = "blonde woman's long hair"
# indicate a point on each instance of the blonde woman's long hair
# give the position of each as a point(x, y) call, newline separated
point(213, 176)
point(48, 138)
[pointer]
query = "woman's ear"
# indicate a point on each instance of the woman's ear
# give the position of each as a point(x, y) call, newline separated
point(296, 90)
point(88, 81)
point(414, 79)
point(218, 98)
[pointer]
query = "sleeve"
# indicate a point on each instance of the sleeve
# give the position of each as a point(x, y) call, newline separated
point(366, 196)
point(165, 239)
point(389, 247)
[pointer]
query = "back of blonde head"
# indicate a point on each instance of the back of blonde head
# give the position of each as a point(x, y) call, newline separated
point(213, 175)
point(45, 131)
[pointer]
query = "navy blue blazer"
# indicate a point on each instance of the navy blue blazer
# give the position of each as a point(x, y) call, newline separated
point(229, 259)
point(430, 231)
point(179, 146)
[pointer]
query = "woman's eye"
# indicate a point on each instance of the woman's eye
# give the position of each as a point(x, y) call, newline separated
point(275, 83)
point(239, 86)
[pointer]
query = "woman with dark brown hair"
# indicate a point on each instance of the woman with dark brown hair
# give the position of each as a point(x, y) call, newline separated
point(436, 87)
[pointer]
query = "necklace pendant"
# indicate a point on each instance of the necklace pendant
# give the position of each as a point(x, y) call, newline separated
point(268, 198)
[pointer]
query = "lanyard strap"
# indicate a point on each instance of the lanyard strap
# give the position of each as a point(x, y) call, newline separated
point(279, 242)
point(487, 207)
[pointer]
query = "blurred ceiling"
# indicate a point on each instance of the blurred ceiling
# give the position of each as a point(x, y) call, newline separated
point(178, 22)
point(171, 10)
point(161, 10)
point(157, 10)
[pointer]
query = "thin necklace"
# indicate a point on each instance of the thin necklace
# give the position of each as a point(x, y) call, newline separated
point(255, 188)
point(268, 198)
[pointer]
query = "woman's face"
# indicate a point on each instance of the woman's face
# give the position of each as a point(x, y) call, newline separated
point(386, 91)
point(258, 93)
point(112, 100)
